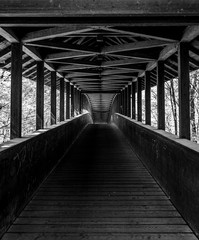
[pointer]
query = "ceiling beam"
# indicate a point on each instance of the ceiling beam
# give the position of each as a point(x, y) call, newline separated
point(66, 55)
point(71, 54)
point(190, 33)
point(135, 34)
point(29, 67)
point(134, 55)
point(78, 62)
point(164, 54)
point(81, 74)
point(134, 46)
point(5, 53)
point(168, 51)
point(9, 35)
point(121, 71)
point(62, 46)
point(34, 54)
point(103, 73)
point(20, 18)
point(103, 64)
point(50, 33)
point(120, 77)
point(122, 62)
point(72, 68)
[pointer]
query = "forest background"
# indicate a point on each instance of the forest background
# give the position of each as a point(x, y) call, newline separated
point(29, 106)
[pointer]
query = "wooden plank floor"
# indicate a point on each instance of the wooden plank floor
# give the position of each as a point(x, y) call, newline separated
point(101, 191)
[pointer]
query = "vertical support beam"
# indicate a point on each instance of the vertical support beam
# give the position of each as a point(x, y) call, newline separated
point(160, 95)
point(147, 98)
point(118, 102)
point(77, 100)
point(139, 99)
point(72, 101)
point(16, 90)
point(53, 98)
point(67, 100)
point(122, 102)
point(133, 90)
point(61, 99)
point(129, 101)
point(40, 96)
point(184, 98)
point(125, 101)
point(80, 102)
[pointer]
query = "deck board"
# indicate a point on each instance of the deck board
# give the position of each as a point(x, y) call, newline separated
point(101, 191)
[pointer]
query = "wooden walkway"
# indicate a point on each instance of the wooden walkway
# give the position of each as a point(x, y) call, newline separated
point(101, 191)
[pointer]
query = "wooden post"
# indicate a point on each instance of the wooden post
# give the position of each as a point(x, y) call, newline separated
point(133, 87)
point(184, 98)
point(40, 96)
point(67, 100)
point(160, 95)
point(53, 98)
point(118, 103)
point(139, 99)
point(80, 102)
point(16, 90)
point(147, 98)
point(125, 101)
point(122, 102)
point(129, 100)
point(61, 99)
point(72, 101)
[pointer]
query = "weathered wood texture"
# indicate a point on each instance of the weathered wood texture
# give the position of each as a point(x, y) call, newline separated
point(25, 162)
point(139, 99)
point(129, 101)
point(72, 102)
point(125, 101)
point(172, 161)
point(133, 99)
point(161, 95)
point(101, 7)
point(102, 192)
point(62, 102)
point(40, 96)
point(147, 98)
point(184, 96)
point(80, 102)
point(67, 100)
point(122, 101)
point(16, 91)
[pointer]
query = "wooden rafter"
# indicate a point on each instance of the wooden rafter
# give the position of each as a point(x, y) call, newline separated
point(55, 33)
point(135, 34)
point(164, 54)
point(62, 46)
point(66, 55)
point(190, 33)
point(134, 46)
point(9, 35)
point(122, 62)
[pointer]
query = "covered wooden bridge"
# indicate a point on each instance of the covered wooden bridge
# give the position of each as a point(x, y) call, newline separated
point(102, 173)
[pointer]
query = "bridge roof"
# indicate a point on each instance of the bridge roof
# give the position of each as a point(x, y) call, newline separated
point(99, 46)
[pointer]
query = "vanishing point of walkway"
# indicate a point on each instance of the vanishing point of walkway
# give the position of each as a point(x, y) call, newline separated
point(100, 191)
